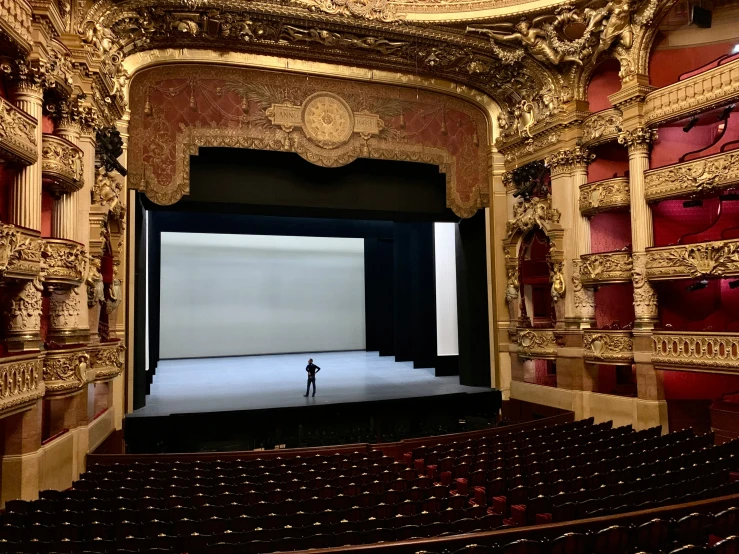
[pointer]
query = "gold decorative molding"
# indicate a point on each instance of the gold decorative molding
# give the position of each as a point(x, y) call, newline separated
point(107, 360)
point(65, 263)
point(696, 351)
point(522, 151)
point(61, 164)
point(15, 23)
point(537, 343)
point(65, 371)
point(17, 134)
point(606, 267)
point(699, 177)
point(605, 196)
point(536, 213)
point(639, 139)
point(696, 94)
point(608, 347)
point(565, 161)
point(21, 383)
point(705, 259)
point(20, 252)
point(601, 127)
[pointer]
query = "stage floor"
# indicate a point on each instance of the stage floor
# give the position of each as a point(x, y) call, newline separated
point(278, 381)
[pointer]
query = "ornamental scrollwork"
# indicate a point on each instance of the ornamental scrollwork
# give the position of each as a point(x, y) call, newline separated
point(583, 297)
point(537, 343)
point(565, 161)
point(64, 309)
point(645, 297)
point(607, 267)
point(708, 259)
point(23, 312)
point(65, 372)
point(20, 383)
point(332, 39)
point(695, 350)
point(527, 216)
point(608, 346)
point(107, 191)
point(61, 164)
point(606, 195)
point(107, 360)
point(17, 135)
point(65, 262)
point(601, 127)
point(373, 10)
point(694, 178)
point(639, 139)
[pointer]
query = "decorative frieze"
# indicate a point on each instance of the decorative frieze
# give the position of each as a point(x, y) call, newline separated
point(65, 263)
point(606, 267)
point(700, 177)
point(21, 383)
point(605, 346)
point(65, 371)
point(537, 343)
point(601, 127)
point(61, 165)
point(20, 252)
point(705, 259)
point(17, 135)
point(603, 196)
point(694, 95)
point(107, 360)
point(696, 351)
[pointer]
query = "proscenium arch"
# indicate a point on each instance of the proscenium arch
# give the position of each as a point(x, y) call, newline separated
point(140, 61)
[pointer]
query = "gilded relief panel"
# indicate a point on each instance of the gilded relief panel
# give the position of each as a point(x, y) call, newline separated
point(329, 122)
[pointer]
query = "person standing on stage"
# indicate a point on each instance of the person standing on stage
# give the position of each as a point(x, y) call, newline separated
point(311, 369)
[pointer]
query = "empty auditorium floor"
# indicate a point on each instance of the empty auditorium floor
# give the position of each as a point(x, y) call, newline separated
point(278, 381)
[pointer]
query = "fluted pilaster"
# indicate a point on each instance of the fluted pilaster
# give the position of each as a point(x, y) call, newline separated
point(25, 191)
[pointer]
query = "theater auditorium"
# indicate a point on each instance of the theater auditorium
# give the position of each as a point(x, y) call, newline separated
point(369, 276)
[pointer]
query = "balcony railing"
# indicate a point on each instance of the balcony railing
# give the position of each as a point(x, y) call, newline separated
point(66, 263)
point(696, 351)
point(606, 267)
point(537, 343)
point(684, 261)
point(20, 252)
point(694, 95)
point(61, 165)
point(701, 177)
point(17, 135)
point(604, 196)
point(66, 371)
point(21, 383)
point(107, 360)
point(601, 127)
point(608, 347)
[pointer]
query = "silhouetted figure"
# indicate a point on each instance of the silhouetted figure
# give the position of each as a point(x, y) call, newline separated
point(311, 369)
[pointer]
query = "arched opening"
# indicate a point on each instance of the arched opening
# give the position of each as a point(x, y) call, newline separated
point(537, 307)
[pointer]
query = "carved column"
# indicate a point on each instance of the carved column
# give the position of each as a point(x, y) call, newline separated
point(583, 297)
point(64, 216)
point(25, 192)
point(639, 141)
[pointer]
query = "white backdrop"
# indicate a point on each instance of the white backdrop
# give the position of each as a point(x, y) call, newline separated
point(231, 295)
point(445, 261)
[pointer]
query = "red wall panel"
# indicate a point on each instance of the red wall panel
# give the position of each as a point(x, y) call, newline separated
point(614, 303)
point(605, 81)
point(610, 231)
point(610, 159)
point(666, 65)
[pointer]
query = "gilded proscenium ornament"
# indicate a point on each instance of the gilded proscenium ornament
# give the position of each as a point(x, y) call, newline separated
point(20, 252)
point(606, 346)
point(604, 196)
point(21, 383)
point(17, 135)
point(697, 94)
point(536, 213)
point(537, 343)
point(601, 127)
point(606, 267)
point(107, 360)
point(61, 165)
point(712, 351)
point(65, 371)
point(705, 259)
point(639, 139)
point(556, 276)
point(695, 178)
point(65, 263)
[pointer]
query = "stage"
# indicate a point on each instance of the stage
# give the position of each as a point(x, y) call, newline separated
point(257, 401)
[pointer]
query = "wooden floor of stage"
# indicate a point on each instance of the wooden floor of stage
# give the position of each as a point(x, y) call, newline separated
point(279, 381)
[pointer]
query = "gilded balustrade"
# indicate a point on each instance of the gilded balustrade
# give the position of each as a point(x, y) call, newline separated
point(537, 343)
point(17, 134)
point(605, 268)
point(696, 351)
point(21, 383)
point(66, 371)
point(106, 360)
point(689, 261)
point(604, 196)
point(20, 252)
point(608, 346)
point(601, 127)
point(61, 165)
point(65, 263)
point(696, 94)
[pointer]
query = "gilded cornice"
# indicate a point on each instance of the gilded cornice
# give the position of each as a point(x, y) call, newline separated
point(711, 352)
point(17, 135)
point(705, 259)
point(704, 176)
point(699, 93)
point(603, 196)
point(605, 346)
point(606, 267)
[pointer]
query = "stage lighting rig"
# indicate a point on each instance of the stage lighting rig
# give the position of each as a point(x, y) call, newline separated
point(693, 203)
point(724, 115)
point(734, 284)
point(703, 283)
point(690, 124)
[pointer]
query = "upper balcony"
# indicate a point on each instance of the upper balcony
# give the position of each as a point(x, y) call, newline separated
point(606, 268)
point(693, 95)
point(696, 351)
point(605, 196)
point(695, 178)
point(61, 165)
point(17, 134)
point(689, 261)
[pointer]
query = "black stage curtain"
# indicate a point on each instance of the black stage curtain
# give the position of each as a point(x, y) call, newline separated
point(140, 386)
point(423, 291)
point(379, 295)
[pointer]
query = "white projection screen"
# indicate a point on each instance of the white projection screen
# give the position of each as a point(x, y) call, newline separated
point(236, 295)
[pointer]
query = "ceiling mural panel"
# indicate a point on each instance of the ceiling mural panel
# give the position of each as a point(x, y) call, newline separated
point(330, 122)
